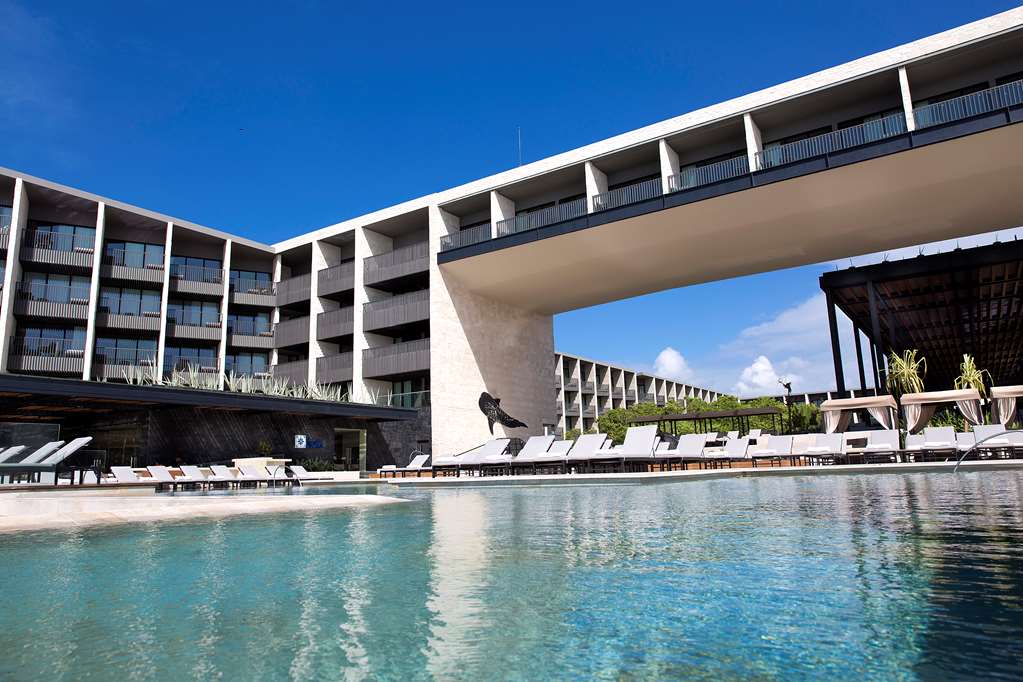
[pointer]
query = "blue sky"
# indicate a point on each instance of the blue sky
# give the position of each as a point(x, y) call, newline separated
point(274, 120)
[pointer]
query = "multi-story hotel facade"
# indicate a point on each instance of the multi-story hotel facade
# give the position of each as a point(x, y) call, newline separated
point(453, 294)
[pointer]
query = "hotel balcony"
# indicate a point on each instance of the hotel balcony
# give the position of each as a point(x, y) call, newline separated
point(294, 332)
point(571, 384)
point(191, 364)
point(334, 280)
point(398, 358)
point(54, 301)
point(414, 399)
point(834, 141)
point(46, 356)
point(5, 232)
point(193, 330)
point(572, 409)
point(618, 392)
point(588, 387)
point(115, 363)
point(334, 323)
point(130, 267)
point(248, 334)
point(396, 311)
point(466, 237)
point(332, 369)
point(983, 104)
point(64, 252)
point(196, 280)
point(590, 410)
point(603, 390)
point(253, 292)
point(402, 263)
point(294, 289)
point(297, 372)
point(146, 322)
point(541, 218)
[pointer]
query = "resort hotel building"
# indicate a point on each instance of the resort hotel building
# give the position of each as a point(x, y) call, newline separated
point(422, 313)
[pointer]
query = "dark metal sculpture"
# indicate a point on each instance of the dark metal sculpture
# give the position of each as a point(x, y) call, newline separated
point(491, 407)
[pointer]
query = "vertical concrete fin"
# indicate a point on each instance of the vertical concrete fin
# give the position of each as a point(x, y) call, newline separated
point(90, 324)
point(754, 145)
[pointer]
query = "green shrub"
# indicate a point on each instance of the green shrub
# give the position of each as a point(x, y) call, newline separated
point(572, 434)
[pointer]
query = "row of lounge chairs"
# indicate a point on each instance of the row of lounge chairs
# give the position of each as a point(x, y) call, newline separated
point(219, 476)
point(40, 466)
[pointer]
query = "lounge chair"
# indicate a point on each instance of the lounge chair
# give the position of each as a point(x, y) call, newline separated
point(939, 444)
point(776, 449)
point(754, 434)
point(734, 451)
point(553, 460)
point(127, 475)
point(636, 450)
point(211, 480)
point(688, 449)
point(992, 440)
point(731, 435)
point(583, 449)
point(301, 475)
point(35, 457)
point(9, 454)
point(535, 446)
point(467, 461)
point(249, 473)
point(826, 449)
point(46, 459)
point(417, 465)
point(165, 479)
point(882, 447)
point(225, 475)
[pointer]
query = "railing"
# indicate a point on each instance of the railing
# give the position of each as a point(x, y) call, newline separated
point(545, 216)
point(466, 237)
point(147, 321)
point(618, 392)
point(60, 242)
point(197, 273)
point(854, 136)
point(5, 218)
point(334, 368)
point(603, 390)
point(398, 263)
point(974, 104)
point(588, 387)
point(335, 322)
point(125, 356)
point(191, 320)
point(411, 400)
point(400, 309)
point(250, 327)
point(5, 232)
point(250, 285)
point(291, 332)
point(47, 348)
point(397, 358)
point(193, 327)
point(53, 293)
point(294, 289)
point(571, 384)
point(184, 363)
point(697, 176)
point(630, 194)
point(296, 371)
point(129, 259)
point(336, 278)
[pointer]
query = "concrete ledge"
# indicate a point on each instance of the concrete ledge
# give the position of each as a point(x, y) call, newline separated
point(704, 474)
point(57, 510)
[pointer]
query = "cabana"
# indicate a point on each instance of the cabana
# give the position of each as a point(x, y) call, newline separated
point(838, 412)
point(1003, 403)
point(920, 407)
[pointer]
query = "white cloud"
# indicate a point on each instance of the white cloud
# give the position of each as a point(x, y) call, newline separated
point(672, 365)
point(757, 379)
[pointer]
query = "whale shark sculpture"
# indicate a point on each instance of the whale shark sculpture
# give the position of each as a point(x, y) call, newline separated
point(491, 407)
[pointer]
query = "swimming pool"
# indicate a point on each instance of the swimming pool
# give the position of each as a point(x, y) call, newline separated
point(894, 576)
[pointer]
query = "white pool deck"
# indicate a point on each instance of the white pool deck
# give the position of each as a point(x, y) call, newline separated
point(63, 509)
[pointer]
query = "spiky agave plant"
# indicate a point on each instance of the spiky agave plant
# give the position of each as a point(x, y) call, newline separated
point(152, 372)
point(906, 372)
point(233, 382)
point(971, 377)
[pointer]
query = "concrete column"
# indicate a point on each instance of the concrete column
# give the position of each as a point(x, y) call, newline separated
point(12, 271)
point(501, 208)
point(754, 145)
point(90, 326)
point(836, 347)
point(161, 346)
point(369, 243)
point(907, 99)
point(669, 164)
point(275, 315)
point(596, 183)
point(324, 255)
point(222, 359)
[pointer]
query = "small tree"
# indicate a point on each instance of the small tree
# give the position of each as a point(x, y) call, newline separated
point(572, 434)
point(906, 374)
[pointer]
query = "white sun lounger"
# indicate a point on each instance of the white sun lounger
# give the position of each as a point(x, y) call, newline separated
point(211, 480)
point(583, 449)
point(302, 475)
point(126, 475)
point(688, 449)
point(776, 449)
point(469, 460)
point(533, 451)
point(826, 448)
point(417, 465)
point(165, 478)
point(639, 446)
point(734, 450)
point(10, 453)
point(225, 474)
point(248, 473)
point(44, 460)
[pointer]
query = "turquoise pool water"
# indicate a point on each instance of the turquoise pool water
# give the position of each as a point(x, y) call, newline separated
point(852, 577)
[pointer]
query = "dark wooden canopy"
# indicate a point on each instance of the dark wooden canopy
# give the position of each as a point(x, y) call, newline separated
point(739, 418)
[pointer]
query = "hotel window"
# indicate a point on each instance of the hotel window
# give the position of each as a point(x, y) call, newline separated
point(798, 137)
point(125, 351)
point(180, 357)
point(251, 281)
point(136, 302)
point(61, 237)
point(252, 325)
point(247, 363)
point(5, 217)
point(951, 94)
point(41, 286)
point(410, 392)
point(634, 181)
point(50, 340)
point(196, 313)
point(134, 254)
point(187, 267)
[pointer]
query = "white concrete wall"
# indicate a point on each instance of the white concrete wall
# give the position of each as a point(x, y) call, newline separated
point(90, 326)
point(324, 256)
point(367, 243)
point(12, 272)
point(596, 183)
point(161, 345)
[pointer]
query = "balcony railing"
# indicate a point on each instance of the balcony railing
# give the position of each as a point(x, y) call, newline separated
point(145, 322)
point(836, 140)
point(249, 333)
point(59, 301)
point(5, 231)
point(333, 369)
point(545, 216)
point(336, 279)
point(414, 399)
point(334, 323)
point(251, 291)
point(292, 332)
point(125, 356)
point(618, 392)
point(697, 176)
point(571, 384)
point(294, 289)
point(296, 371)
point(47, 356)
point(398, 358)
point(397, 310)
point(196, 279)
point(974, 104)
point(407, 260)
point(194, 363)
point(58, 249)
point(194, 328)
point(466, 237)
point(587, 387)
point(630, 194)
point(130, 266)
point(603, 390)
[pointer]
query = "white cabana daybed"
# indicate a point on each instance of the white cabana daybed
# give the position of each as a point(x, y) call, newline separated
point(920, 407)
point(837, 413)
point(1003, 403)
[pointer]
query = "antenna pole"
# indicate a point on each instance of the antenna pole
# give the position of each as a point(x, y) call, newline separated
point(518, 130)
